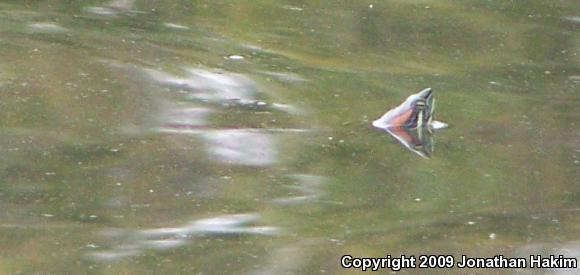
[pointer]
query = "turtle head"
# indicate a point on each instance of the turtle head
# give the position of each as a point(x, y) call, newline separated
point(425, 96)
point(421, 106)
point(424, 107)
point(416, 111)
point(411, 123)
point(422, 100)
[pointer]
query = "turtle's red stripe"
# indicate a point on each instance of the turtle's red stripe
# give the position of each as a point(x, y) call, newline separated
point(402, 119)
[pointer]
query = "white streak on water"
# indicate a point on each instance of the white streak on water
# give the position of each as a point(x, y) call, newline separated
point(241, 147)
point(176, 26)
point(133, 243)
point(311, 186)
point(46, 28)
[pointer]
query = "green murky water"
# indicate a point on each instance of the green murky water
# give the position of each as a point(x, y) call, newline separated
point(234, 136)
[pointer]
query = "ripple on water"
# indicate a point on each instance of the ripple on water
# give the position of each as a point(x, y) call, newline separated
point(311, 187)
point(133, 243)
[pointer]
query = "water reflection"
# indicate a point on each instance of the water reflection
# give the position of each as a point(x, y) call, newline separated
point(417, 140)
point(288, 259)
point(222, 87)
point(211, 132)
point(177, 118)
point(113, 8)
point(209, 86)
point(310, 187)
point(191, 107)
point(176, 26)
point(286, 77)
point(567, 249)
point(126, 243)
point(241, 147)
point(46, 28)
point(251, 146)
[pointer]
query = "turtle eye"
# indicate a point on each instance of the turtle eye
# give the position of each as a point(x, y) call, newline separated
point(420, 104)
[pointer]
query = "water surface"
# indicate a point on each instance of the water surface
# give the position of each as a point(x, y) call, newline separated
point(209, 137)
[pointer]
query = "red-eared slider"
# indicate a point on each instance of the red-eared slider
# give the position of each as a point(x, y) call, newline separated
point(411, 123)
